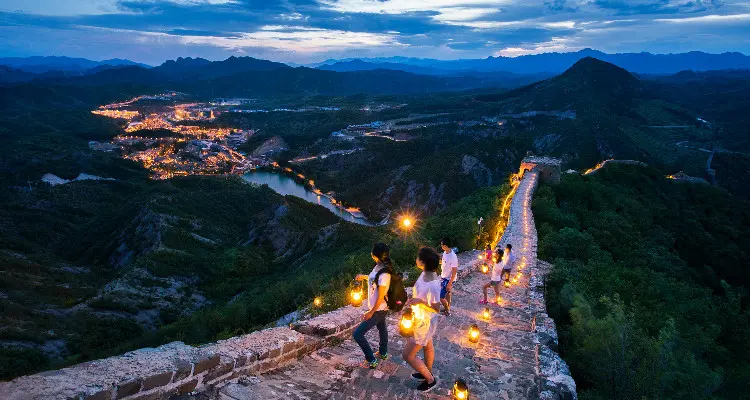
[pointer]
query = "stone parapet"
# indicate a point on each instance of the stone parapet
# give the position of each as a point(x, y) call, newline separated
point(176, 368)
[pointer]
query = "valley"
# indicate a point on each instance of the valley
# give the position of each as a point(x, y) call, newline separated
point(211, 194)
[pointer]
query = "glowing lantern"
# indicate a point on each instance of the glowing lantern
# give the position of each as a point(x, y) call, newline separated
point(406, 326)
point(499, 299)
point(507, 283)
point(486, 313)
point(356, 294)
point(485, 269)
point(317, 302)
point(480, 257)
point(460, 390)
point(474, 333)
point(406, 222)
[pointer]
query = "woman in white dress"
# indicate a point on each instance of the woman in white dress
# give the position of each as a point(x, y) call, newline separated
point(425, 304)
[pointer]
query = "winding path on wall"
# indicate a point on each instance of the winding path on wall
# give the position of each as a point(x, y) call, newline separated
point(514, 358)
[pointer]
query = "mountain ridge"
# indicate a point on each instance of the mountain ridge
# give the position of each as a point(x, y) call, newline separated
point(643, 62)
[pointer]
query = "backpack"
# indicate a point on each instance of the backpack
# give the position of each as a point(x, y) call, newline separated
point(396, 296)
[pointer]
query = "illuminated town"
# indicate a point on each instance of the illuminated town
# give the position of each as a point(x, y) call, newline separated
point(191, 150)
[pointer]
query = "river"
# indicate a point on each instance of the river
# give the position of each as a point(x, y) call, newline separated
point(285, 185)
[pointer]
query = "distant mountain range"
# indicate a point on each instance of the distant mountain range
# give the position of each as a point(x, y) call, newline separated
point(549, 63)
point(42, 64)
point(247, 76)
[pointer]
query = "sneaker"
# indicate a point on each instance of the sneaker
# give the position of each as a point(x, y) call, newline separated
point(425, 387)
point(417, 376)
point(381, 357)
point(446, 313)
point(483, 302)
point(369, 364)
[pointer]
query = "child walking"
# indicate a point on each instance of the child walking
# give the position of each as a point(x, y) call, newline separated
point(495, 278)
point(425, 305)
point(378, 282)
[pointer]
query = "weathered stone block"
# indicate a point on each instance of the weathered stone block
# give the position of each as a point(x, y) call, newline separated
point(206, 363)
point(225, 367)
point(157, 380)
point(128, 388)
point(332, 323)
point(105, 394)
point(184, 369)
point(188, 386)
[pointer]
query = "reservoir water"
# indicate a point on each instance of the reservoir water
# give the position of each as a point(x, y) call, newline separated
point(285, 185)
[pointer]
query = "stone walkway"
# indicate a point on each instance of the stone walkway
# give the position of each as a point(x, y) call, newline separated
point(503, 365)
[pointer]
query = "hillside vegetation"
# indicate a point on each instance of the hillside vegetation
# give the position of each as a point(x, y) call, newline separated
point(649, 288)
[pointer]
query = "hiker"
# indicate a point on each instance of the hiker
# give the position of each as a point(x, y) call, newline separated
point(425, 304)
point(495, 278)
point(488, 256)
point(378, 282)
point(509, 258)
point(449, 273)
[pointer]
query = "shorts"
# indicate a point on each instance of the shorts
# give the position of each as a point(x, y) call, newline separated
point(444, 287)
point(424, 331)
point(506, 274)
point(493, 283)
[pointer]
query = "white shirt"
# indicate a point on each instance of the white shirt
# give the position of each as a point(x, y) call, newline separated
point(497, 272)
point(429, 292)
point(509, 258)
point(450, 261)
point(372, 294)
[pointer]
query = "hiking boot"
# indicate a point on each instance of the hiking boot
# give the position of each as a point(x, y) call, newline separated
point(425, 387)
point(381, 357)
point(369, 364)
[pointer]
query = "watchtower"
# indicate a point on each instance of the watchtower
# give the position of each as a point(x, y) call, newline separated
point(548, 167)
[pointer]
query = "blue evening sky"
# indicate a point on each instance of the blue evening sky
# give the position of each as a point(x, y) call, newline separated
point(303, 31)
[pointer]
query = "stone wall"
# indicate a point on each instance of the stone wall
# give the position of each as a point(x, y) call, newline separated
point(176, 368)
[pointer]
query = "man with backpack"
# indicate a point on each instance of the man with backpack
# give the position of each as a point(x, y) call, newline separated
point(385, 292)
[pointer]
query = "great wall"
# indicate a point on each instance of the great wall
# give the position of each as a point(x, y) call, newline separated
point(515, 358)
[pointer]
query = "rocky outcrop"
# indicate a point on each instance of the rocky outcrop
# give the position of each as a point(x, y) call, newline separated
point(480, 174)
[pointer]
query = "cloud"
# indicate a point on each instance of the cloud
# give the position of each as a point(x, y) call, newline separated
point(312, 30)
point(708, 19)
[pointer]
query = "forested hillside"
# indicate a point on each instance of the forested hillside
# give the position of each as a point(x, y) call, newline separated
point(649, 288)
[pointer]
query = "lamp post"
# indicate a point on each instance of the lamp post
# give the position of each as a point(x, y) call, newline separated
point(479, 232)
